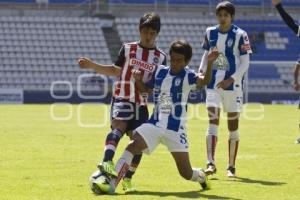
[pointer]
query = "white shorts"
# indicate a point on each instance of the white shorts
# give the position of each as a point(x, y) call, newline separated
point(153, 136)
point(231, 101)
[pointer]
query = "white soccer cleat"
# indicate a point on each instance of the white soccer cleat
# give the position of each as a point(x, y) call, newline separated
point(211, 169)
point(297, 141)
point(231, 172)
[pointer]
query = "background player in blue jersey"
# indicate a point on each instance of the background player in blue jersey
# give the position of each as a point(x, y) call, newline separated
point(226, 86)
point(171, 87)
point(296, 29)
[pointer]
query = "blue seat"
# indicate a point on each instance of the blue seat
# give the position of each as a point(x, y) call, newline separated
point(263, 72)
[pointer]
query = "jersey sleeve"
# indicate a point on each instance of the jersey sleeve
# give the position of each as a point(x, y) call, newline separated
point(244, 44)
point(121, 58)
point(192, 80)
point(205, 43)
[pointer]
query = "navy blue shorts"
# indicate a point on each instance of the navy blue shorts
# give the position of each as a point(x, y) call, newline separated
point(133, 114)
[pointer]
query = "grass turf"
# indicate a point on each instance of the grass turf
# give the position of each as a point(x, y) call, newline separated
point(46, 159)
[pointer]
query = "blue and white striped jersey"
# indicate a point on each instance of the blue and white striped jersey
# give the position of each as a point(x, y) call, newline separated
point(170, 97)
point(231, 46)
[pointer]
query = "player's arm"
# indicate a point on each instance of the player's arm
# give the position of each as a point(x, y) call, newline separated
point(244, 66)
point(203, 65)
point(206, 47)
point(142, 87)
point(244, 48)
point(108, 70)
point(205, 78)
point(245, 51)
point(286, 17)
point(296, 75)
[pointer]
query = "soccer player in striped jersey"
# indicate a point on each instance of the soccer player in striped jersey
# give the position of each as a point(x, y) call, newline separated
point(171, 86)
point(129, 107)
point(226, 86)
point(296, 29)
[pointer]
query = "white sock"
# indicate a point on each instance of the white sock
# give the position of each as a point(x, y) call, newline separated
point(122, 167)
point(125, 158)
point(233, 144)
point(211, 142)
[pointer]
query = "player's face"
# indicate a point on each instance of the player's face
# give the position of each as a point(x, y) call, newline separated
point(224, 18)
point(177, 62)
point(148, 36)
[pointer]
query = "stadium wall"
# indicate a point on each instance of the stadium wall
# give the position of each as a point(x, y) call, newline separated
point(45, 97)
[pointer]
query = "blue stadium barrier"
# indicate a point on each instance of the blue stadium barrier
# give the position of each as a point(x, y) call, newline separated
point(188, 2)
point(34, 97)
point(50, 1)
point(17, 1)
point(206, 2)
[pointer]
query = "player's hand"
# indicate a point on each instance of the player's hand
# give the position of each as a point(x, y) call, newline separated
point(276, 2)
point(85, 63)
point(296, 86)
point(225, 83)
point(137, 74)
point(212, 56)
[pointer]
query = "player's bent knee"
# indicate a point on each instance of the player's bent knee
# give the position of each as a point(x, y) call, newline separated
point(137, 144)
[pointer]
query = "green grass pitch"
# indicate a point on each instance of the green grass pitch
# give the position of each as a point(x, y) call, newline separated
point(46, 159)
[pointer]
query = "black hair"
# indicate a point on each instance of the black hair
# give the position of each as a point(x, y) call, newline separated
point(151, 20)
point(182, 47)
point(227, 6)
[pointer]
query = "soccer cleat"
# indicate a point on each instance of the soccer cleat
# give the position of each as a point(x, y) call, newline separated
point(205, 184)
point(127, 186)
point(108, 168)
point(297, 141)
point(231, 172)
point(211, 169)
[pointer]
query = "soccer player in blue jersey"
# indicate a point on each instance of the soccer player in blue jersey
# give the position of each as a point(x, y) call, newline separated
point(296, 29)
point(226, 86)
point(170, 86)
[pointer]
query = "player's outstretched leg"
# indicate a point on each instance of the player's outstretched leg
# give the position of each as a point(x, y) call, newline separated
point(233, 142)
point(135, 147)
point(212, 138)
point(126, 182)
point(111, 143)
point(187, 172)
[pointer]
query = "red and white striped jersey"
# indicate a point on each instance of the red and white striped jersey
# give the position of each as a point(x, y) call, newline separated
point(134, 56)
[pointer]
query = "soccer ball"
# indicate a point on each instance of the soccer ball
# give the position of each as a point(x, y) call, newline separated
point(100, 183)
point(201, 174)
